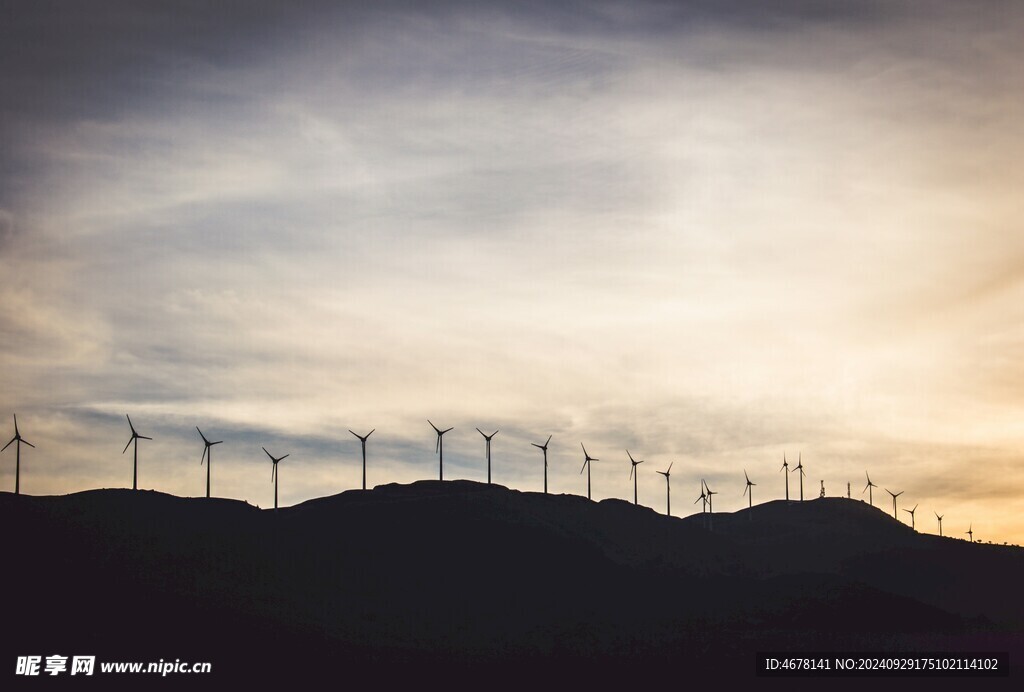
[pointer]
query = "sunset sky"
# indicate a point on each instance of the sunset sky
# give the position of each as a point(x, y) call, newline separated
point(708, 233)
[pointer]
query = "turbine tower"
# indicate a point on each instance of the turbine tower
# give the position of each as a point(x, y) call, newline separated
point(939, 517)
point(869, 487)
point(586, 465)
point(135, 462)
point(785, 467)
point(488, 440)
point(632, 472)
point(362, 443)
point(749, 492)
point(668, 489)
point(544, 448)
point(894, 496)
point(273, 473)
point(800, 468)
point(911, 513)
point(17, 454)
point(206, 457)
point(439, 448)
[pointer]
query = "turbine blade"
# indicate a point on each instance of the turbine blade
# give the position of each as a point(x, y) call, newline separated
point(143, 437)
point(28, 443)
point(203, 458)
point(130, 423)
point(448, 430)
point(16, 425)
point(127, 445)
point(285, 457)
point(631, 468)
point(268, 454)
point(202, 435)
point(670, 467)
point(549, 440)
point(13, 439)
point(584, 468)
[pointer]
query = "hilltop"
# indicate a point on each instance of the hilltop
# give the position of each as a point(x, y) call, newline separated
point(463, 577)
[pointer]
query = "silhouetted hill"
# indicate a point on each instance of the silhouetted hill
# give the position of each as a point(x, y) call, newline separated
point(461, 578)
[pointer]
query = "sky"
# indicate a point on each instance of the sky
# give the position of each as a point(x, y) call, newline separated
point(711, 233)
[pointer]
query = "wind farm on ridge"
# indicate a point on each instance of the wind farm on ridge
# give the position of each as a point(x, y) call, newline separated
point(706, 496)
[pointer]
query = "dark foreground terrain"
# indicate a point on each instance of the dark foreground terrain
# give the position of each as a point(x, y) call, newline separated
point(480, 584)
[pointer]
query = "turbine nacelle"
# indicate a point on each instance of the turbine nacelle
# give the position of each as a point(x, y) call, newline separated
point(749, 482)
point(17, 437)
point(437, 446)
point(206, 448)
point(135, 435)
point(363, 438)
point(273, 472)
point(586, 458)
point(634, 463)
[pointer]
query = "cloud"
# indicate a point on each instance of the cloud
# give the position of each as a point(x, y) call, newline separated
point(707, 232)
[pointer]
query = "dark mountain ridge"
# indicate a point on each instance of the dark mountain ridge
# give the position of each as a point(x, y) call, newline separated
point(464, 577)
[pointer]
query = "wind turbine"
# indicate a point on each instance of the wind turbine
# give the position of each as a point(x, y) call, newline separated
point(586, 465)
point(135, 463)
point(544, 448)
point(869, 487)
point(911, 513)
point(273, 474)
point(970, 532)
point(748, 491)
point(785, 467)
point(939, 517)
point(439, 448)
point(894, 496)
point(362, 443)
point(710, 492)
point(17, 464)
point(207, 458)
point(632, 472)
point(800, 468)
point(488, 439)
point(703, 496)
point(668, 489)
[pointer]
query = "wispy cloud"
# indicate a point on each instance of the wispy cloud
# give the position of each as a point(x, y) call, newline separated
point(708, 232)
